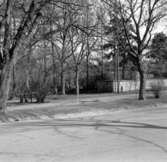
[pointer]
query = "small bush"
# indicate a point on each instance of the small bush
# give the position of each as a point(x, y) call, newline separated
point(156, 88)
point(40, 87)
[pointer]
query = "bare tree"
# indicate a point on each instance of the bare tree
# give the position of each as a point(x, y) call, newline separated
point(27, 15)
point(78, 44)
point(143, 15)
point(62, 40)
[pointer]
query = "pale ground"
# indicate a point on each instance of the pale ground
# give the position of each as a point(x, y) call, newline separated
point(138, 135)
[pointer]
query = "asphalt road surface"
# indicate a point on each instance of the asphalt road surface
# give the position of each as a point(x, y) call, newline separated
point(126, 136)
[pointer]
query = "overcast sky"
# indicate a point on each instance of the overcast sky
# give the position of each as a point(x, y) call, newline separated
point(161, 26)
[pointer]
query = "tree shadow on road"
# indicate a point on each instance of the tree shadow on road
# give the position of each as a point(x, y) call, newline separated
point(121, 128)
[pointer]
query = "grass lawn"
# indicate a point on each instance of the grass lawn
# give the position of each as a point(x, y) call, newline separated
point(59, 105)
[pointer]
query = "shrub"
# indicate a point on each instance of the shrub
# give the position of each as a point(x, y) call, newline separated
point(40, 86)
point(156, 88)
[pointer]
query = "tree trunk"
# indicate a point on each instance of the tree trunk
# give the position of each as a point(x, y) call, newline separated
point(87, 72)
point(77, 81)
point(63, 88)
point(142, 83)
point(53, 70)
point(54, 83)
point(5, 85)
point(21, 98)
point(123, 72)
point(14, 82)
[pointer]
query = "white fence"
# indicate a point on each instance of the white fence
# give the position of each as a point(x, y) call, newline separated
point(132, 85)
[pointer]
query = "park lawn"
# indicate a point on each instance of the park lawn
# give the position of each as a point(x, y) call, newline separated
point(85, 105)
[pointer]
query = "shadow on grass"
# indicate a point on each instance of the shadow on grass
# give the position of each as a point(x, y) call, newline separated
point(17, 103)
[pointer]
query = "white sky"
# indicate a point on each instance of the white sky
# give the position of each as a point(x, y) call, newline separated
point(161, 27)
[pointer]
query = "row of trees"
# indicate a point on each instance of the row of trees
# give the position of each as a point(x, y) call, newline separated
point(42, 27)
point(42, 40)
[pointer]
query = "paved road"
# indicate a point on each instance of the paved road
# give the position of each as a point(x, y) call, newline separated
point(126, 136)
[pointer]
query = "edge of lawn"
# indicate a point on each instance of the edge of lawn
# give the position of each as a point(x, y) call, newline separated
point(80, 109)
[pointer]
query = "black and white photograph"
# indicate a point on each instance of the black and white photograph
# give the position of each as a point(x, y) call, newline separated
point(83, 80)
